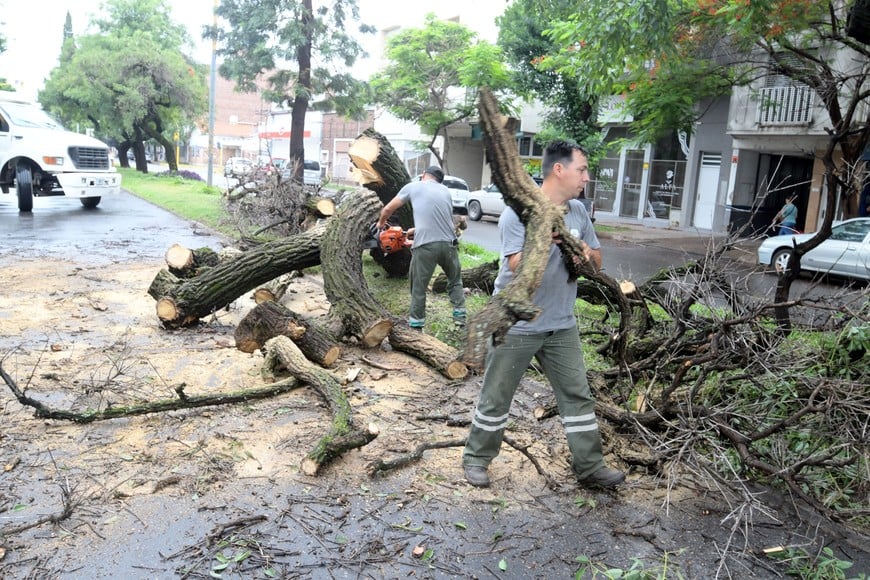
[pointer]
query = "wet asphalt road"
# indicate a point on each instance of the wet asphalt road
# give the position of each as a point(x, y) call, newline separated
point(123, 228)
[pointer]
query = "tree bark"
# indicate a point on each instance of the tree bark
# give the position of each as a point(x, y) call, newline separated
point(343, 281)
point(185, 303)
point(343, 435)
point(186, 263)
point(480, 278)
point(442, 357)
point(270, 319)
point(379, 169)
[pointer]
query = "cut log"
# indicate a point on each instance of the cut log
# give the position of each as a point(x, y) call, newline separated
point(378, 168)
point(343, 281)
point(322, 207)
point(343, 435)
point(273, 290)
point(478, 278)
point(442, 357)
point(163, 284)
point(187, 302)
point(186, 263)
point(270, 319)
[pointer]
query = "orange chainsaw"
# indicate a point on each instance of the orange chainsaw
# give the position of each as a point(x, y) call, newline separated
point(390, 240)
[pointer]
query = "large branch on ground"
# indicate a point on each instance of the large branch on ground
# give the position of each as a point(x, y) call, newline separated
point(377, 167)
point(270, 319)
point(442, 357)
point(186, 302)
point(342, 435)
point(343, 281)
point(352, 303)
point(183, 401)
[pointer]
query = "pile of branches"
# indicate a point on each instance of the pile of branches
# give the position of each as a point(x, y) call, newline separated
point(711, 385)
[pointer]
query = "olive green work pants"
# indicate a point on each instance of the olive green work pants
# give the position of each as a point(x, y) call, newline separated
point(561, 358)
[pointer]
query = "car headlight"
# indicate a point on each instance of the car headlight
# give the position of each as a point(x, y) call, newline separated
point(52, 160)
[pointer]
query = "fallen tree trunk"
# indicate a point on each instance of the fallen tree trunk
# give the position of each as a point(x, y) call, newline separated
point(479, 278)
point(270, 319)
point(343, 281)
point(273, 290)
point(353, 305)
point(440, 356)
point(185, 303)
point(343, 435)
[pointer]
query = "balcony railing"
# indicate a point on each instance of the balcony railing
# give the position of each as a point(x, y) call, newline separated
point(785, 106)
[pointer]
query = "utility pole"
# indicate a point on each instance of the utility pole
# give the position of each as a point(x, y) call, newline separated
point(211, 98)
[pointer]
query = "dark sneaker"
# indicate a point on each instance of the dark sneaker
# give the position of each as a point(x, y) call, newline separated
point(459, 322)
point(604, 477)
point(476, 475)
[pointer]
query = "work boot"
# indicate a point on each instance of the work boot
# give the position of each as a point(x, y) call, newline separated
point(604, 477)
point(476, 475)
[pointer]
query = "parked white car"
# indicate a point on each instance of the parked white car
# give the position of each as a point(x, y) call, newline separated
point(846, 253)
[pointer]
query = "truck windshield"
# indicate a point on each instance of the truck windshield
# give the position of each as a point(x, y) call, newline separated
point(27, 115)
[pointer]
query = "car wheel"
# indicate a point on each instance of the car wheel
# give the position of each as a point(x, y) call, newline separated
point(24, 186)
point(474, 212)
point(90, 202)
point(780, 260)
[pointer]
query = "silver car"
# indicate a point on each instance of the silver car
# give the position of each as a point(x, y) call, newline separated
point(846, 253)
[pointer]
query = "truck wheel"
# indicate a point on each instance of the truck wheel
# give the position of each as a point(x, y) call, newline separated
point(24, 185)
point(90, 202)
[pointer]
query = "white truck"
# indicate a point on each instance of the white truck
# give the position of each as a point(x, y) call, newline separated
point(40, 158)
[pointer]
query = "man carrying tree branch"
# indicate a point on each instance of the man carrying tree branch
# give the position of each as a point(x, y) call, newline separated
point(552, 337)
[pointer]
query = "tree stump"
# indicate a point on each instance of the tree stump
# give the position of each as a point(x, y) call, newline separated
point(270, 319)
point(343, 435)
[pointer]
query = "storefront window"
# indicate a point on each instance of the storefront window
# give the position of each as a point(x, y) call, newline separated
point(666, 179)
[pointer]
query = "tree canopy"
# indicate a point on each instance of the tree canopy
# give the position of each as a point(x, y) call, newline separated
point(570, 105)
point(130, 80)
point(433, 73)
point(298, 55)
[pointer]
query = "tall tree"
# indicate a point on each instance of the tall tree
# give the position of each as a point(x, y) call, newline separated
point(570, 106)
point(130, 80)
point(298, 55)
point(422, 82)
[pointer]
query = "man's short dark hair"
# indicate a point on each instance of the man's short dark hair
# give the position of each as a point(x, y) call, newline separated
point(435, 172)
point(559, 152)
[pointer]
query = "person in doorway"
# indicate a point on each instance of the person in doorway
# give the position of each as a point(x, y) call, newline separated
point(787, 217)
point(552, 337)
point(435, 243)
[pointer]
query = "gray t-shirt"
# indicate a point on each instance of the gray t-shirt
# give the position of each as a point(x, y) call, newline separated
point(433, 212)
point(556, 295)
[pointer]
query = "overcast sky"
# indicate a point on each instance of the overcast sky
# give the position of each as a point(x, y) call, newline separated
point(34, 29)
